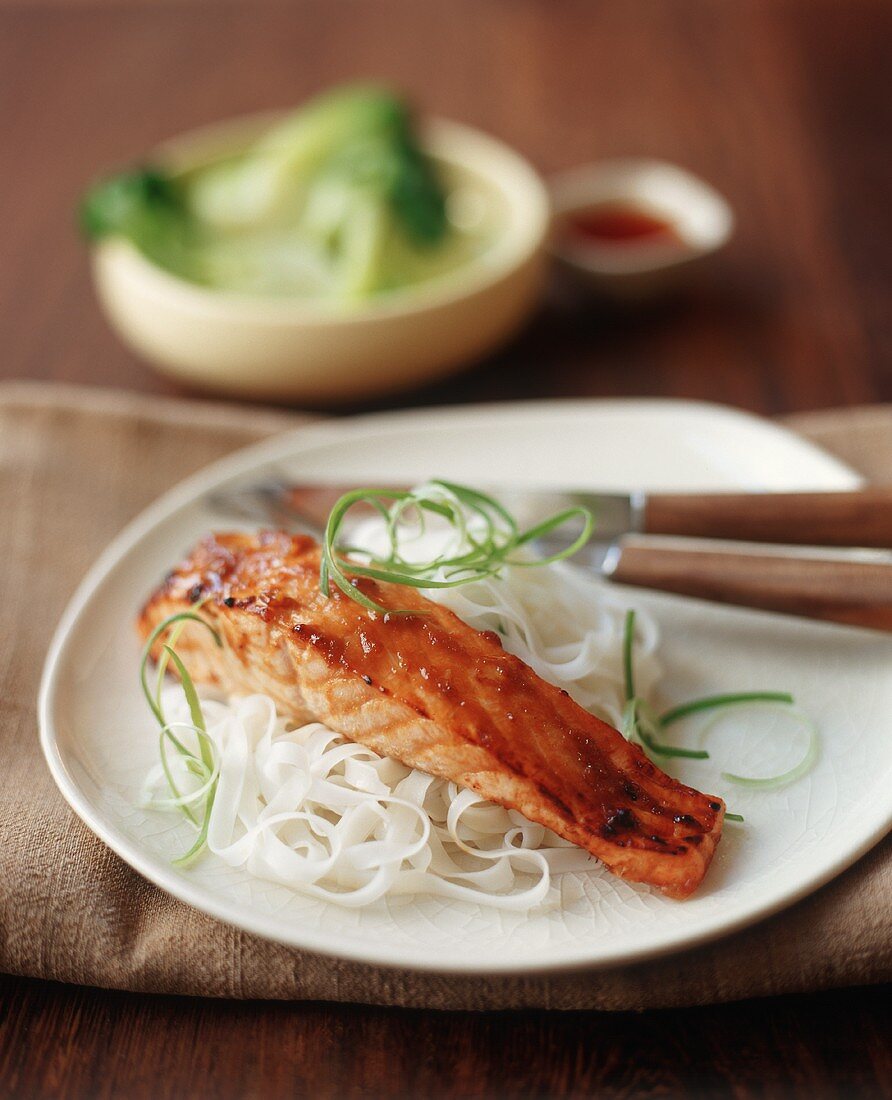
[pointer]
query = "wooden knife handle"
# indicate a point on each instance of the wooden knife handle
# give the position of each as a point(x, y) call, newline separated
point(862, 517)
point(854, 592)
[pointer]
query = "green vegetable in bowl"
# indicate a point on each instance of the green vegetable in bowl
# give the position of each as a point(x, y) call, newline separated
point(337, 201)
point(146, 206)
point(129, 203)
point(356, 138)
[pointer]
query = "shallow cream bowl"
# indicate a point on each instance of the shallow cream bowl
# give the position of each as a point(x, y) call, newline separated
point(323, 352)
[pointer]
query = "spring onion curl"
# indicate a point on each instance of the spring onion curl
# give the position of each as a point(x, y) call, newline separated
point(202, 764)
point(783, 779)
point(487, 540)
point(640, 723)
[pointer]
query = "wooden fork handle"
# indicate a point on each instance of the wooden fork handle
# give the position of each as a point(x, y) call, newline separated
point(862, 517)
point(854, 592)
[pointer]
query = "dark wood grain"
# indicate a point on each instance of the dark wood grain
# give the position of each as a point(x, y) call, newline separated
point(839, 591)
point(63, 1041)
point(862, 518)
point(782, 105)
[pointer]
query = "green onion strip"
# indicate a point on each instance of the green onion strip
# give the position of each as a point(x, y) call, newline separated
point(482, 524)
point(784, 779)
point(640, 723)
point(203, 764)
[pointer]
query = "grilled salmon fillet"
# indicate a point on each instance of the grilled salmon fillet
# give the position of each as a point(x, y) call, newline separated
point(437, 695)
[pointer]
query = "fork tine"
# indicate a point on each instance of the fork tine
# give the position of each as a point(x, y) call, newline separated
point(269, 504)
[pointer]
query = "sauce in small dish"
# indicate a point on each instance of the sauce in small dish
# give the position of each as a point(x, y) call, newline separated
point(625, 226)
point(619, 225)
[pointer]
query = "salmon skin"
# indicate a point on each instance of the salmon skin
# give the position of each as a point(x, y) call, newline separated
point(435, 694)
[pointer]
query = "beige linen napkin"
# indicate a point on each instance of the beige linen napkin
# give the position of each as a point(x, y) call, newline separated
point(75, 465)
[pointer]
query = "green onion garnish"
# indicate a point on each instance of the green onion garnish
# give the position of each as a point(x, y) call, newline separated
point(182, 617)
point(201, 764)
point(482, 524)
point(639, 721)
point(712, 702)
point(641, 724)
point(773, 782)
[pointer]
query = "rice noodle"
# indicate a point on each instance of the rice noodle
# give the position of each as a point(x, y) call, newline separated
point(332, 819)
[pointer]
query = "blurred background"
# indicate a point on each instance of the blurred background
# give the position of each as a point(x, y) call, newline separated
point(782, 106)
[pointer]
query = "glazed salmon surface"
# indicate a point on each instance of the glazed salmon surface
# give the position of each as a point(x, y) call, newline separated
point(437, 695)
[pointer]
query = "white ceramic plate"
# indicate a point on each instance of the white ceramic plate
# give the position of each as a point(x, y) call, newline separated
point(99, 739)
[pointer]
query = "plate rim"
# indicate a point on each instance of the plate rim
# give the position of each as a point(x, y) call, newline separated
point(677, 940)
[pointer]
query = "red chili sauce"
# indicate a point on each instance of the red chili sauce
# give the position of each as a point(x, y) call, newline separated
point(619, 225)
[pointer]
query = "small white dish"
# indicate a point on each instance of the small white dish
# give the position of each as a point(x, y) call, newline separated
point(699, 220)
point(281, 348)
point(99, 738)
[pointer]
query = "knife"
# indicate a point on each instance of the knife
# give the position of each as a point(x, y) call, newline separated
point(845, 588)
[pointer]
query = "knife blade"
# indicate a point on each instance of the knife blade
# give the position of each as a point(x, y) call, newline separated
point(309, 504)
point(857, 518)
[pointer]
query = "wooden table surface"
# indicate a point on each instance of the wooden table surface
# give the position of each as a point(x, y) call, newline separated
point(785, 107)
